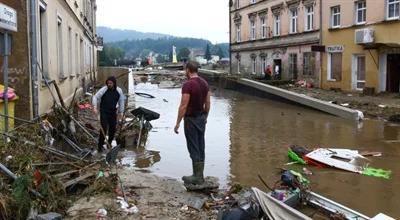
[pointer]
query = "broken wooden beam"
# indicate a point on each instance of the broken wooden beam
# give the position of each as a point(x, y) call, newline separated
point(78, 179)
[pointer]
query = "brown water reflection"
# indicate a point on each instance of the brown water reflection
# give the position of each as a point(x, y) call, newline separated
point(247, 136)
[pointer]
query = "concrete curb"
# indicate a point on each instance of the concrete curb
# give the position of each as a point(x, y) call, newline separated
point(324, 106)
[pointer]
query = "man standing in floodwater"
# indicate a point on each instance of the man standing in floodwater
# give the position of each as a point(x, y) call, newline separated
point(109, 97)
point(194, 108)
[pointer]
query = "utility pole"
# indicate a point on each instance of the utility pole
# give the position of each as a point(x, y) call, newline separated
point(230, 38)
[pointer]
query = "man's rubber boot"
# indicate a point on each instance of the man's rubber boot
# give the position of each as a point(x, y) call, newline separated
point(197, 178)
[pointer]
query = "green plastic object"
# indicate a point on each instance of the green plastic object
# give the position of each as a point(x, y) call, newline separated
point(293, 156)
point(100, 174)
point(370, 171)
point(300, 177)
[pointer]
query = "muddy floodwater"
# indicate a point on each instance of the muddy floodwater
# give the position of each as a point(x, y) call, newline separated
point(248, 135)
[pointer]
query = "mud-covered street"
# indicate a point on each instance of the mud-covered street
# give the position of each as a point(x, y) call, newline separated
point(247, 136)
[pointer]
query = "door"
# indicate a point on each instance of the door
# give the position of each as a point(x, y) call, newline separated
point(277, 69)
point(359, 72)
point(393, 73)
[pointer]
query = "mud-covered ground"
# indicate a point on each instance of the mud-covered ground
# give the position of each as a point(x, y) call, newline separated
point(381, 106)
point(155, 197)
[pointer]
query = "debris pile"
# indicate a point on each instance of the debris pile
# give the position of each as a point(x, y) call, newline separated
point(48, 163)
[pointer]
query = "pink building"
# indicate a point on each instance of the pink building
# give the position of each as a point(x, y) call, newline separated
point(278, 33)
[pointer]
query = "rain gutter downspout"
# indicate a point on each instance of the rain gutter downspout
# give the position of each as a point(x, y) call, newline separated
point(320, 43)
point(34, 62)
point(230, 37)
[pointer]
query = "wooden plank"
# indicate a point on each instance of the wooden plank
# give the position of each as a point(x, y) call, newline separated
point(77, 180)
point(60, 175)
point(59, 95)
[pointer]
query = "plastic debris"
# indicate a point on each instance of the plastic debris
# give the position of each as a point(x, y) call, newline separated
point(382, 106)
point(128, 208)
point(101, 213)
point(307, 172)
point(185, 208)
point(8, 158)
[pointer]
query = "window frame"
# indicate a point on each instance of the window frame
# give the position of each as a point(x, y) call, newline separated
point(277, 25)
point(263, 22)
point(388, 4)
point(330, 72)
point(308, 63)
point(293, 70)
point(309, 14)
point(363, 10)
point(60, 51)
point(333, 15)
point(263, 63)
point(293, 21)
point(238, 33)
point(253, 29)
point(254, 65)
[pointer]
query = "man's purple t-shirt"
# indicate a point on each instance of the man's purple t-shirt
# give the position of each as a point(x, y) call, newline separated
point(197, 88)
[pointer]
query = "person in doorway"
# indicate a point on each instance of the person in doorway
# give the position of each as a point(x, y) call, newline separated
point(194, 109)
point(277, 72)
point(110, 99)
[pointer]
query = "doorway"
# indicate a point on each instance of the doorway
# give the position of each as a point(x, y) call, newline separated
point(393, 73)
point(277, 69)
point(358, 72)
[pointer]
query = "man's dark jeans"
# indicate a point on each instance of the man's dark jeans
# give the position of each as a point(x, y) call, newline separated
point(108, 123)
point(195, 127)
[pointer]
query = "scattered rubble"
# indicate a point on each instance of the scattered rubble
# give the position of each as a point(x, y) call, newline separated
point(381, 106)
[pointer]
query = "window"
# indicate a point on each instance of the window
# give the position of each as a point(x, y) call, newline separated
point(361, 12)
point(69, 50)
point(263, 64)
point(308, 63)
point(360, 71)
point(60, 48)
point(76, 54)
point(253, 1)
point(44, 54)
point(254, 65)
point(335, 17)
point(263, 27)
point(293, 65)
point(393, 9)
point(252, 30)
point(81, 56)
point(293, 21)
point(335, 66)
point(237, 4)
point(309, 18)
point(277, 25)
point(238, 65)
point(238, 33)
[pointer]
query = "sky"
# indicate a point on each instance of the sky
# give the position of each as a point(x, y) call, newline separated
point(207, 19)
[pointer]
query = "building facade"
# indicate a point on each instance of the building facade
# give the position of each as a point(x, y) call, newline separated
point(277, 33)
point(362, 45)
point(55, 43)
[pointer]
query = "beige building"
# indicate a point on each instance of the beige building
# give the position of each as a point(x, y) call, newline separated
point(362, 41)
point(55, 40)
point(66, 46)
point(278, 33)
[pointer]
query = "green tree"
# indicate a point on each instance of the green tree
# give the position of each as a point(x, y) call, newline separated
point(183, 53)
point(207, 55)
point(110, 54)
point(220, 53)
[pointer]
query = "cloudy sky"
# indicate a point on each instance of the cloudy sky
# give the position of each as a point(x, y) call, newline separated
point(207, 19)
